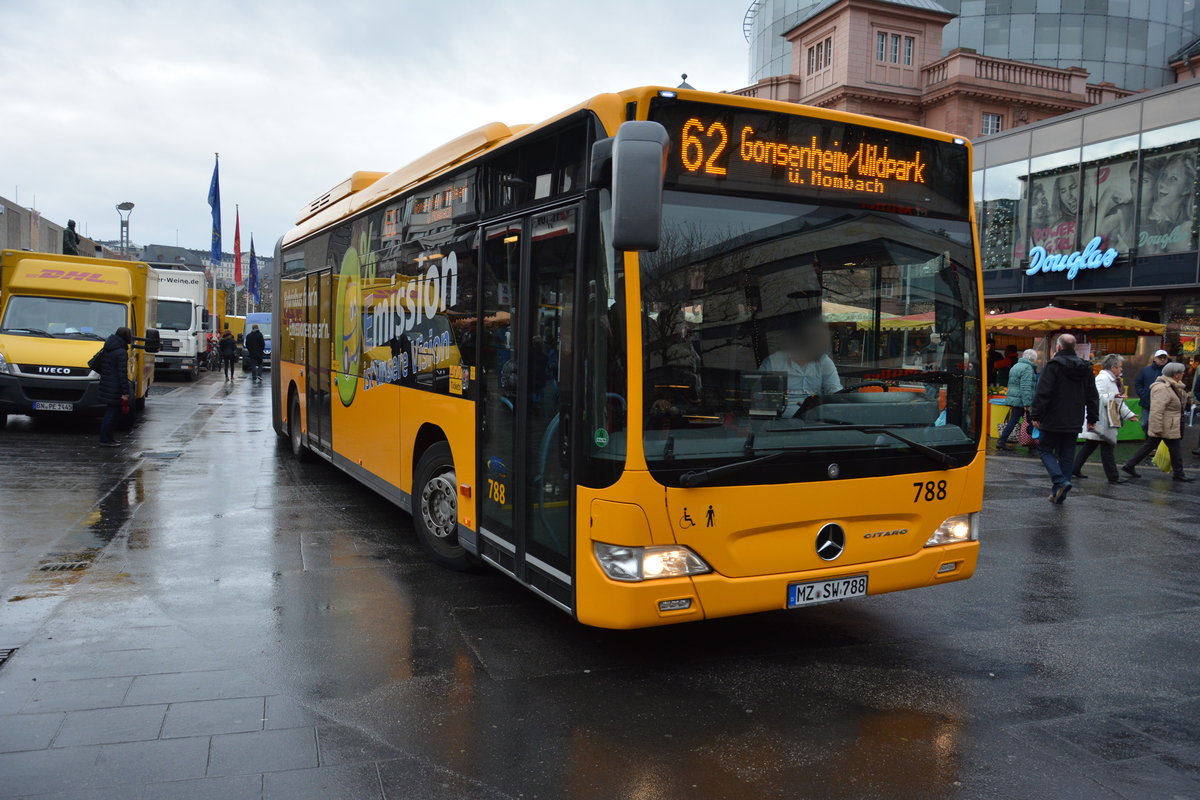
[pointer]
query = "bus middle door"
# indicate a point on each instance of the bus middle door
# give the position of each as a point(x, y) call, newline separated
point(318, 351)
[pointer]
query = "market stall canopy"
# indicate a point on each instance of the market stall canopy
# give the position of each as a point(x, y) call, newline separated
point(841, 312)
point(1053, 318)
point(909, 322)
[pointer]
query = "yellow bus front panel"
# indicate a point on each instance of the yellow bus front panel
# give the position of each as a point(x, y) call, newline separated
point(763, 539)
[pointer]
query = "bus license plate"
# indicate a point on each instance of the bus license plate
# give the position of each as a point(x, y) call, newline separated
point(812, 593)
point(53, 407)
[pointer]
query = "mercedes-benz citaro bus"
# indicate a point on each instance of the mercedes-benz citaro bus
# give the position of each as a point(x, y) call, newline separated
point(666, 356)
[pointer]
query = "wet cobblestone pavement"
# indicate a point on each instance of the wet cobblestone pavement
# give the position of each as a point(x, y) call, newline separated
point(195, 615)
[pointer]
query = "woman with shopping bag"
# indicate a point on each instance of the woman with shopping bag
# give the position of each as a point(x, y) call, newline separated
point(1113, 413)
point(1166, 422)
point(1022, 377)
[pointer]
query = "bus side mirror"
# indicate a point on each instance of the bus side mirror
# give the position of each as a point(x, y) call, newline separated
point(600, 169)
point(151, 342)
point(639, 156)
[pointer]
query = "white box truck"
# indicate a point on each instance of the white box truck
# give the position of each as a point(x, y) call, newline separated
point(176, 307)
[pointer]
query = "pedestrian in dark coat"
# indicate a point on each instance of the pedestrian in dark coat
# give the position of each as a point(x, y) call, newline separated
point(1065, 397)
point(228, 348)
point(256, 347)
point(113, 368)
point(1196, 394)
point(1145, 379)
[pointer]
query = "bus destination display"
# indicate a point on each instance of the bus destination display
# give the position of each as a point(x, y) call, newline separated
point(736, 149)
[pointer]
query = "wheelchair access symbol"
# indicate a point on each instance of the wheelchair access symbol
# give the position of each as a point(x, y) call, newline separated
point(686, 521)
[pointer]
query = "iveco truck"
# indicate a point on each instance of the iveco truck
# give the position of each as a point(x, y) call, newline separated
point(176, 308)
point(55, 313)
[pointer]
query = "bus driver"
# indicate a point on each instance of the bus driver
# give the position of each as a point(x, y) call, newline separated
point(805, 360)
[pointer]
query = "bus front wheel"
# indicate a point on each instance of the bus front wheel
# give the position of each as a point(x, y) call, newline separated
point(435, 507)
point(295, 433)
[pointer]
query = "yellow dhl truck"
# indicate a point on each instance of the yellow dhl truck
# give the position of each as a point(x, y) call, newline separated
point(55, 313)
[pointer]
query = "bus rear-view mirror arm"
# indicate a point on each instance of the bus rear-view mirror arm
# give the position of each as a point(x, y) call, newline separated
point(633, 163)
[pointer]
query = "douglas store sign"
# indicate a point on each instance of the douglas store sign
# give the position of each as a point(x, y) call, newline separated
point(1092, 257)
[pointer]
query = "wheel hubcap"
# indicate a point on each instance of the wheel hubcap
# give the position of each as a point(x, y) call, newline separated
point(439, 505)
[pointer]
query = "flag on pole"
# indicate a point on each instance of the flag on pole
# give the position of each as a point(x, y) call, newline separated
point(237, 247)
point(252, 283)
point(214, 201)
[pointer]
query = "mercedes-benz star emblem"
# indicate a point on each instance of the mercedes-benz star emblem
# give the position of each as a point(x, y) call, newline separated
point(831, 541)
point(833, 470)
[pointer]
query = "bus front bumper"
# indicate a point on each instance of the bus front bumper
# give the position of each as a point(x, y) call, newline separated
point(606, 603)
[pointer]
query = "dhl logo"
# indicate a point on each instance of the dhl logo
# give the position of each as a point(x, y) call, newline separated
point(73, 275)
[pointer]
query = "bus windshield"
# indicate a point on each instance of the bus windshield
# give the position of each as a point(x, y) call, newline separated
point(62, 317)
point(783, 327)
point(172, 315)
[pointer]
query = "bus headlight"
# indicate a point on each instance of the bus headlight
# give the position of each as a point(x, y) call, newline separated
point(623, 563)
point(960, 528)
point(5, 367)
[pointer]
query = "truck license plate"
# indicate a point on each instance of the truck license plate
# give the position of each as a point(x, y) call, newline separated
point(811, 593)
point(53, 407)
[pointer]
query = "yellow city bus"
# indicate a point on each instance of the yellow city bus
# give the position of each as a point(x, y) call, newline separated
point(667, 356)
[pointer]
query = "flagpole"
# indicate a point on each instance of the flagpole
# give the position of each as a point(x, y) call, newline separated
point(215, 266)
point(237, 264)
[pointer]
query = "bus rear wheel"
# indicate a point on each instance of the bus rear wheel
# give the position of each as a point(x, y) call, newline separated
point(435, 508)
point(295, 432)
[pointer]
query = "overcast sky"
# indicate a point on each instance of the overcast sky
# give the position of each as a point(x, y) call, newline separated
point(103, 101)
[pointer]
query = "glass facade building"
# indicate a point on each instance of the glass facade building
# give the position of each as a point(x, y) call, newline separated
point(1125, 42)
point(766, 23)
point(1098, 209)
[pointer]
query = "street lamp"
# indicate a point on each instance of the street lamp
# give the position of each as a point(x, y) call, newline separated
point(123, 210)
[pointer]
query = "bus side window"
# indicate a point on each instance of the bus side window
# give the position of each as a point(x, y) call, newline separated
point(605, 410)
point(462, 315)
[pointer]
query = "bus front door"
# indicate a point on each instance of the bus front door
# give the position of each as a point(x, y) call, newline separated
point(525, 460)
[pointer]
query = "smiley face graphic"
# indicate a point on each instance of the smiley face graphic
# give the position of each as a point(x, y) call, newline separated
point(347, 330)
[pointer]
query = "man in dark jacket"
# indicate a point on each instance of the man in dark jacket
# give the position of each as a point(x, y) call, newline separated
point(1146, 379)
point(114, 381)
point(256, 346)
point(1065, 398)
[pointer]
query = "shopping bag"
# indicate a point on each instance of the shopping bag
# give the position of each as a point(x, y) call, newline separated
point(1026, 434)
point(1162, 457)
point(1116, 412)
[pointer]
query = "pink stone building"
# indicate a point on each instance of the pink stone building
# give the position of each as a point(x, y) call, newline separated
point(883, 58)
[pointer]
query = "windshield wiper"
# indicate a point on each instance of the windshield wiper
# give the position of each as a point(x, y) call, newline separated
point(34, 331)
point(699, 476)
point(95, 336)
point(937, 456)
